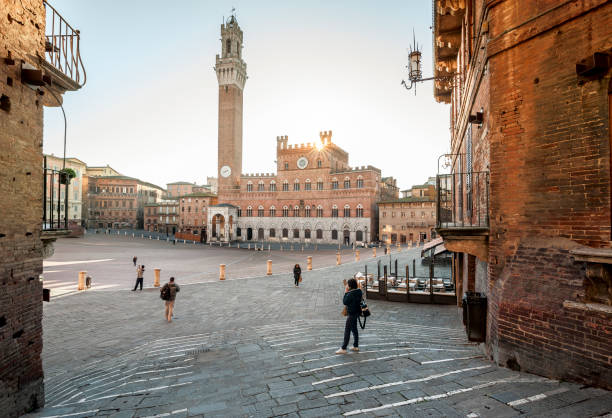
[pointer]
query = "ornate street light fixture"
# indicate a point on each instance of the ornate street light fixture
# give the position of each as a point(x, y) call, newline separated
point(415, 73)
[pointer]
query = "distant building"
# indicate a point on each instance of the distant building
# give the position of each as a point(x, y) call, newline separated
point(118, 201)
point(193, 215)
point(102, 171)
point(179, 188)
point(411, 218)
point(212, 182)
point(162, 216)
point(75, 189)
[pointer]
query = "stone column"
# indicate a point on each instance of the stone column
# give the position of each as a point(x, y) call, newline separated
point(157, 275)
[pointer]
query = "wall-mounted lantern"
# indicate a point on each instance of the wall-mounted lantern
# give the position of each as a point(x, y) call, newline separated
point(415, 73)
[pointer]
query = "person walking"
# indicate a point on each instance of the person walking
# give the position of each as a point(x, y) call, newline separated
point(297, 273)
point(352, 301)
point(168, 294)
point(139, 277)
point(134, 260)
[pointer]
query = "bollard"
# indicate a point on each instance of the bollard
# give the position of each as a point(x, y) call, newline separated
point(249, 245)
point(221, 271)
point(269, 272)
point(302, 248)
point(374, 252)
point(158, 237)
point(132, 235)
point(268, 247)
point(309, 263)
point(338, 258)
point(291, 247)
point(141, 235)
point(156, 279)
point(82, 275)
point(356, 255)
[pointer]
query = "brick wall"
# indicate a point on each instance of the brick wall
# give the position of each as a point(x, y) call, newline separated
point(21, 376)
point(549, 145)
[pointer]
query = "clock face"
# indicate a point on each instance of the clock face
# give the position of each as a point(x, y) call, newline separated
point(226, 171)
point(302, 163)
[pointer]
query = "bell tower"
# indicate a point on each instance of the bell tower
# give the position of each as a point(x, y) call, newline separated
point(231, 75)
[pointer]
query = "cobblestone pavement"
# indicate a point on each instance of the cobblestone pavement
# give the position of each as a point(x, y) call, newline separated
point(261, 347)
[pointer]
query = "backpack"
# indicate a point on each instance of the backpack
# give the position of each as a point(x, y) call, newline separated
point(165, 293)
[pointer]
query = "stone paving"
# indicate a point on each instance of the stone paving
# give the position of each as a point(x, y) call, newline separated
point(261, 347)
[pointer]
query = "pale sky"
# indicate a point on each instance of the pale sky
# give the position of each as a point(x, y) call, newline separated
point(149, 108)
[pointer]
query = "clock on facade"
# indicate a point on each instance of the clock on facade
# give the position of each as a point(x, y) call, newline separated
point(226, 171)
point(302, 163)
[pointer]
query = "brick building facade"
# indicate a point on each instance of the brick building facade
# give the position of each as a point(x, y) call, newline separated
point(28, 76)
point(162, 216)
point(527, 206)
point(315, 194)
point(118, 201)
point(409, 219)
point(193, 216)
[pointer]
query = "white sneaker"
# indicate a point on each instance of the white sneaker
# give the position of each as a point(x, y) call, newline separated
point(341, 351)
point(354, 348)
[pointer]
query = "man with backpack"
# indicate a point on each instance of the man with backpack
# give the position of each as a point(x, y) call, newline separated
point(168, 295)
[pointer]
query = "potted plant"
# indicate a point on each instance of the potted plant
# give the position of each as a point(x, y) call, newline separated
point(66, 174)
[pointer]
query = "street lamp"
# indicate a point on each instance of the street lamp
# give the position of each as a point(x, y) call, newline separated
point(415, 74)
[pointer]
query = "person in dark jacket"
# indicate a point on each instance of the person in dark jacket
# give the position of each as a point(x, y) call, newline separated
point(352, 300)
point(173, 288)
point(297, 272)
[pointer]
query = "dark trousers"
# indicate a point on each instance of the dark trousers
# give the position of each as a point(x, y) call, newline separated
point(139, 280)
point(351, 326)
point(297, 280)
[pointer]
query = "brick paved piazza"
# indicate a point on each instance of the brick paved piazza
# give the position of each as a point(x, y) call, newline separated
point(261, 347)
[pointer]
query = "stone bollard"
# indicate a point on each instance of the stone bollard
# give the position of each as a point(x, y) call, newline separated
point(356, 255)
point(221, 271)
point(82, 275)
point(302, 248)
point(309, 263)
point(291, 247)
point(157, 273)
point(399, 247)
point(374, 252)
point(338, 258)
point(249, 246)
point(269, 272)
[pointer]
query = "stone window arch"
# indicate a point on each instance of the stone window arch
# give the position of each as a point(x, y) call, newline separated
point(296, 185)
point(307, 185)
point(319, 184)
point(319, 233)
point(272, 211)
point(272, 186)
point(347, 211)
point(307, 233)
point(285, 211)
point(285, 233)
point(319, 211)
point(334, 234)
point(249, 211)
point(260, 211)
point(334, 183)
point(334, 211)
point(359, 211)
point(239, 211)
point(296, 211)
point(359, 182)
point(347, 183)
point(307, 211)
point(261, 186)
point(285, 186)
point(250, 186)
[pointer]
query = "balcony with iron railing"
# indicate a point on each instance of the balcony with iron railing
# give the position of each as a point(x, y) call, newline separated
point(63, 66)
point(462, 211)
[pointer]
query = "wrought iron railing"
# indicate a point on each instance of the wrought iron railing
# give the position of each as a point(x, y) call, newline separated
point(462, 200)
point(55, 203)
point(62, 46)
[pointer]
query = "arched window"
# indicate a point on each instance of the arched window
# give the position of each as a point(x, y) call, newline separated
point(319, 184)
point(285, 233)
point(334, 234)
point(228, 47)
point(249, 211)
point(307, 211)
point(260, 211)
point(307, 185)
point(359, 212)
point(334, 211)
point(296, 185)
point(319, 211)
point(249, 186)
point(334, 184)
point(272, 233)
point(296, 233)
point(347, 211)
point(285, 211)
point(272, 186)
point(319, 234)
point(359, 182)
point(239, 212)
point(319, 163)
point(285, 186)
point(261, 186)
point(359, 236)
point(296, 211)
point(307, 233)
point(272, 211)
point(347, 183)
